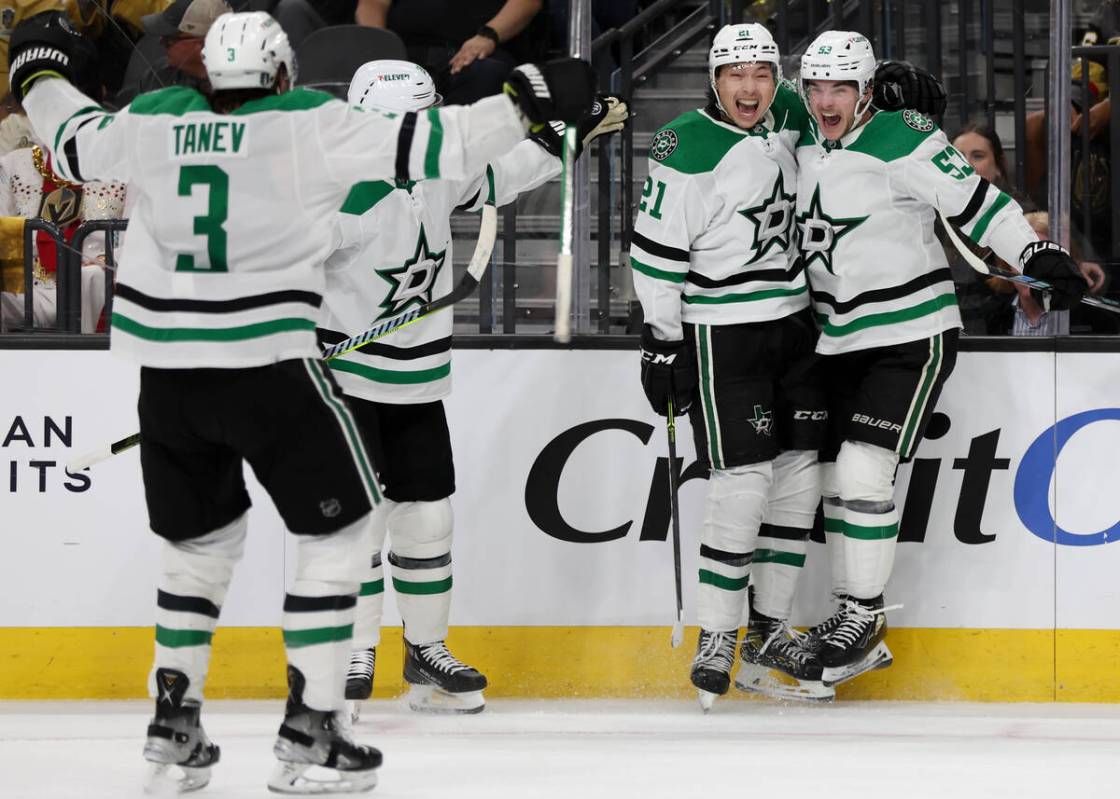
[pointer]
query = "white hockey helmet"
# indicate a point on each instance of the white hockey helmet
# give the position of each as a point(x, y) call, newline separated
point(246, 51)
point(840, 55)
point(742, 44)
point(392, 85)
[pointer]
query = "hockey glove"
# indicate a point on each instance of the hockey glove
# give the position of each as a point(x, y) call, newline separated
point(668, 372)
point(562, 89)
point(900, 84)
point(47, 45)
point(1049, 261)
point(608, 114)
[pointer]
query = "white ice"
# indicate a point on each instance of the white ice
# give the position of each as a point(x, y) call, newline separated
point(587, 749)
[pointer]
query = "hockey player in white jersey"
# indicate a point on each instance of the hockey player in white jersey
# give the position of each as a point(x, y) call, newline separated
point(397, 248)
point(870, 187)
point(217, 299)
point(726, 306)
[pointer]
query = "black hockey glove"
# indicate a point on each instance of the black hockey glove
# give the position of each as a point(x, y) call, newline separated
point(1049, 261)
point(47, 45)
point(900, 84)
point(608, 115)
point(668, 372)
point(562, 89)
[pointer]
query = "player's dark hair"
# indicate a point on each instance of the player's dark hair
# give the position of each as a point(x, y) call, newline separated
point(226, 101)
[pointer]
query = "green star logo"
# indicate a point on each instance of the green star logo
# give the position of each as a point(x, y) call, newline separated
point(773, 221)
point(412, 282)
point(820, 232)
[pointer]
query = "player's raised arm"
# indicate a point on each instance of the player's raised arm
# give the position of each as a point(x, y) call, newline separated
point(452, 142)
point(86, 141)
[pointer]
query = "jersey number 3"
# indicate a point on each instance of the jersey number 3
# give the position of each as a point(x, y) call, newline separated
point(210, 223)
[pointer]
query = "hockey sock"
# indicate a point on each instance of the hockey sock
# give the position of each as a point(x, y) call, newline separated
point(866, 479)
point(420, 536)
point(196, 575)
point(732, 514)
point(833, 508)
point(371, 592)
point(783, 538)
point(319, 612)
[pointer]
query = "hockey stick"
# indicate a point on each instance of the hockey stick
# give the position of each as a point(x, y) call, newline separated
point(563, 325)
point(487, 233)
point(675, 515)
point(983, 268)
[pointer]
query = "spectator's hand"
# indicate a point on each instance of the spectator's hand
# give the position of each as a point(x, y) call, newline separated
point(1093, 273)
point(1049, 261)
point(473, 49)
point(900, 84)
point(1098, 118)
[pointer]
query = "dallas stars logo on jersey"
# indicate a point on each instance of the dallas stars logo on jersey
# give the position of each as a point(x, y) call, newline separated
point(820, 232)
point(412, 283)
point(773, 220)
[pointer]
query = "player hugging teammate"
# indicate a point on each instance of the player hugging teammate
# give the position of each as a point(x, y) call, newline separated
point(871, 183)
point(729, 338)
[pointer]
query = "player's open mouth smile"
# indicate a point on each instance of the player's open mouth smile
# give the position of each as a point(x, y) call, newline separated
point(746, 108)
point(830, 120)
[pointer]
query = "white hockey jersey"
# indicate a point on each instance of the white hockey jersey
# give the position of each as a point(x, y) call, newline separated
point(234, 213)
point(396, 254)
point(714, 238)
point(865, 217)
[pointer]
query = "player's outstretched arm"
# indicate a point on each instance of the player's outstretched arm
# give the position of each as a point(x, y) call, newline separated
point(46, 55)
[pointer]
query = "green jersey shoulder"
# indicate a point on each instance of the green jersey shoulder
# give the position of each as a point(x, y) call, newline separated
point(693, 143)
point(891, 135)
point(788, 109)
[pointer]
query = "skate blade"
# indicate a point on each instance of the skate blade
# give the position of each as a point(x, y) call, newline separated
point(429, 699)
point(878, 658)
point(168, 779)
point(707, 699)
point(354, 708)
point(776, 684)
point(292, 778)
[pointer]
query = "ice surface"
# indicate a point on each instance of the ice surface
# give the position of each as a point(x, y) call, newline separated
point(590, 749)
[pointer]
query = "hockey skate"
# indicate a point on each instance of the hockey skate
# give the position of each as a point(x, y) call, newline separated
point(853, 644)
point(359, 680)
point(711, 668)
point(318, 738)
point(815, 635)
point(439, 682)
point(177, 747)
point(777, 664)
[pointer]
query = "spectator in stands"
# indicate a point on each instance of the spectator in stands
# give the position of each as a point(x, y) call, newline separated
point(29, 188)
point(298, 18)
point(179, 31)
point(468, 47)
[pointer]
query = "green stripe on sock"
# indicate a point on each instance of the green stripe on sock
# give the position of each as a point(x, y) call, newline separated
point(726, 583)
point(864, 533)
point(318, 635)
point(833, 525)
point(777, 556)
point(372, 587)
point(175, 639)
point(422, 589)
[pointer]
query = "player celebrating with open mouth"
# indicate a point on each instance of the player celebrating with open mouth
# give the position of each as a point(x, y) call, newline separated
point(869, 188)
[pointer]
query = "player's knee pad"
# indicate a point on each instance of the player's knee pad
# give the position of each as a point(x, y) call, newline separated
point(865, 476)
point(203, 566)
point(334, 563)
point(734, 506)
point(796, 489)
point(421, 529)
